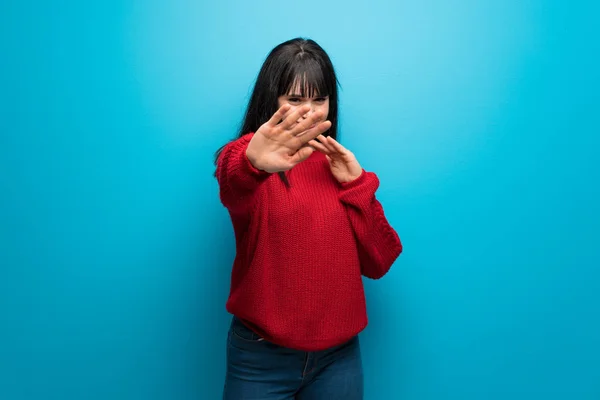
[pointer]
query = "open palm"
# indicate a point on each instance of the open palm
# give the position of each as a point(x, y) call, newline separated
point(280, 143)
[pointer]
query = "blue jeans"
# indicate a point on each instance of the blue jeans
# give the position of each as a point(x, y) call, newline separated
point(260, 370)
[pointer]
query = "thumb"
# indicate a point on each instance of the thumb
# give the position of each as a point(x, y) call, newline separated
point(302, 154)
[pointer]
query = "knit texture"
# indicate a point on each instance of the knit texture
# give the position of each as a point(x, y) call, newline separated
point(301, 251)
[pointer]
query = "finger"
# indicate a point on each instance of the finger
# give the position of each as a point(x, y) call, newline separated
point(312, 133)
point(290, 122)
point(326, 143)
point(307, 123)
point(302, 154)
point(279, 115)
point(339, 148)
point(319, 146)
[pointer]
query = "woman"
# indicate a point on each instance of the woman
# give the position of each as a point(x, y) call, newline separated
point(307, 228)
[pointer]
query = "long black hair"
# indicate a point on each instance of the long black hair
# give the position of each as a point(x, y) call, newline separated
point(300, 62)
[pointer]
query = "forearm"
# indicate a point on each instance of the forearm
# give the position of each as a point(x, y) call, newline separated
point(378, 243)
point(238, 178)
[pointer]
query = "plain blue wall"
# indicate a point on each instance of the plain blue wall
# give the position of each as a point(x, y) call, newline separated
point(481, 119)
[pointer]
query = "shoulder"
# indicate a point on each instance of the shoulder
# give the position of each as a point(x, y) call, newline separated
point(233, 146)
point(239, 141)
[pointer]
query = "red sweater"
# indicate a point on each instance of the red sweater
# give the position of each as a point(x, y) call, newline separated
point(301, 250)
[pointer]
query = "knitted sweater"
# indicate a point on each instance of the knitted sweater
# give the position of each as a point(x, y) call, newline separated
point(301, 251)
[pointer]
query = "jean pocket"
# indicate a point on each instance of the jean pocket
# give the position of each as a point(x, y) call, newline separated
point(242, 332)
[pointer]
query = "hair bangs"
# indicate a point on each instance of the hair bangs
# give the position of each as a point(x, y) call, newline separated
point(305, 77)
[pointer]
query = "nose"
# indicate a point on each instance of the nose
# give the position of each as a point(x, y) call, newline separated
point(312, 109)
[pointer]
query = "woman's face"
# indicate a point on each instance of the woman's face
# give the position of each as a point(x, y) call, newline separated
point(295, 100)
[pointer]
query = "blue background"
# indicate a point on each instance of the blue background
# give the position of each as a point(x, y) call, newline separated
point(481, 119)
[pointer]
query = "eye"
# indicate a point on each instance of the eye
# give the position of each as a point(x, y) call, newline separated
point(320, 99)
point(294, 100)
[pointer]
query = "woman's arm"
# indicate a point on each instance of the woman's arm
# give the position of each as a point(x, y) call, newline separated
point(378, 243)
point(238, 178)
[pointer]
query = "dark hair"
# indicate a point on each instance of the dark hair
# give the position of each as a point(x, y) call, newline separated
point(300, 61)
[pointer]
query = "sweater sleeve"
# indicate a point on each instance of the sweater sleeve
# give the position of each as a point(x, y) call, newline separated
point(378, 243)
point(238, 178)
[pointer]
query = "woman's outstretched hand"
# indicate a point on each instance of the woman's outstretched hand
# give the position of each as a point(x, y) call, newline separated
point(281, 143)
point(344, 166)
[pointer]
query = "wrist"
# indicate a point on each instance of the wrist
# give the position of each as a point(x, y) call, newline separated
point(356, 173)
point(349, 179)
point(251, 158)
point(355, 179)
point(252, 155)
point(254, 159)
